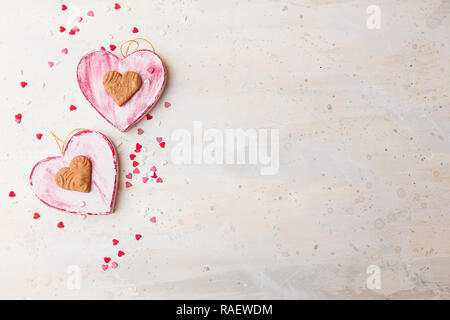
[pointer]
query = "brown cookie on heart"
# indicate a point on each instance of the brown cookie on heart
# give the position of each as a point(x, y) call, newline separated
point(77, 177)
point(122, 87)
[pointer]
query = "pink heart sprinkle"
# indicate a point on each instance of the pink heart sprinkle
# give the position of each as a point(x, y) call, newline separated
point(51, 64)
point(127, 184)
point(136, 171)
point(65, 51)
point(167, 104)
point(153, 169)
point(159, 180)
point(90, 13)
point(79, 19)
point(153, 219)
point(159, 139)
point(144, 179)
point(129, 176)
point(140, 131)
point(76, 29)
point(104, 267)
point(114, 265)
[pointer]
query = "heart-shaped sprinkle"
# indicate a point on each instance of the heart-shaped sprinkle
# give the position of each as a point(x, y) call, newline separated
point(153, 169)
point(153, 219)
point(117, 6)
point(135, 30)
point(12, 194)
point(63, 7)
point(154, 176)
point(158, 139)
point(39, 136)
point(135, 163)
point(72, 32)
point(136, 171)
point(128, 184)
point(72, 108)
point(62, 29)
point(102, 48)
point(112, 47)
point(149, 117)
point(159, 180)
point(65, 51)
point(122, 87)
point(104, 267)
point(129, 176)
point(77, 177)
point(140, 131)
point(51, 64)
point(132, 156)
point(60, 225)
point(23, 84)
point(90, 13)
point(144, 179)
point(36, 216)
point(79, 19)
point(115, 242)
point(162, 144)
point(107, 259)
point(138, 236)
point(120, 253)
point(167, 104)
point(18, 117)
point(114, 265)
point(76, 29)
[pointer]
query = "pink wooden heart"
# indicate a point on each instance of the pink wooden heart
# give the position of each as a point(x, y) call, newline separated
point(91, 70)
point(103, 157)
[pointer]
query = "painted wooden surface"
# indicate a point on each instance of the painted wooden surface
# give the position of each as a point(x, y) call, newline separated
point(364, 179)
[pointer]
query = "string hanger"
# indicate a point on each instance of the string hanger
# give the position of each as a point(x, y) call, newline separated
point(137, 44)
point(64, 142)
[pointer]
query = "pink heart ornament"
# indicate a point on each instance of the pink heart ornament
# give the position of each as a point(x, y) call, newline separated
point(100, 200)
point(91, 70)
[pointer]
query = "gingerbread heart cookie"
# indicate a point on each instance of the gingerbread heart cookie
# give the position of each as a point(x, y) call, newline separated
point(122, 87)
point(77, 177)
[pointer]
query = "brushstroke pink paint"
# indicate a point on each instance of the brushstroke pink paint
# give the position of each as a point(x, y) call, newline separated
point(103, 157)
point(91, 70)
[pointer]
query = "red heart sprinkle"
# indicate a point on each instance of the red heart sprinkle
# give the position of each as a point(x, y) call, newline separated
point(135, 30)
point(159, 180)
point(149, 117)
point(63, 7)
point(136, 171)
point(112, 47)
point(120, 253)
point(153, 219)
point(62, 29)
point(135, 163)
point(138, 146)
point(140, 131)
point(107, 259)
point(138, 236)
point(154, 176)
point(102, 48)
point(12, 194)
point(72, 107)
point(129, 176)
point(23, 84)
point(115, 242)
point(18, 117)
point(36, 215)
point(60, 225)
point(162, 144)
point(117, 6)
point(127, 184)
point(72, 32)
point(39, 136)
point(144, 179)
point(132, 156)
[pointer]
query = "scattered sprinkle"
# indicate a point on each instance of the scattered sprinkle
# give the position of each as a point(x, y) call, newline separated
point(120, 253)
point(39, 136)
point(115, 242)
point(72, 107)
point(112, 47)
point(51, 64)
point(102, 48)
point(23, 84)
point(129, 176)
point(107, 259)
point(90, 13)
point(65, 51)
point(158, 139)
point(167, 104)
point(140, 131)
point(12, 194)
point(36, 215)
point(159, 180)
point(18, 118)
point(136, 171)
point(60, 225)
point(63, 7)
point(135, 30)
point(104, 267)
point(117, 6)
point(138, 236)
point(128, 184)
point(132, 156)
point(79, 19)
point(149, 117)
point(162, 144)
point(144, 179)
point(153, 219)
point(114, 265)
point(135, 163)
point(153, 169)
point(62, 29)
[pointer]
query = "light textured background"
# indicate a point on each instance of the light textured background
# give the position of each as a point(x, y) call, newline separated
point(364, 151)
